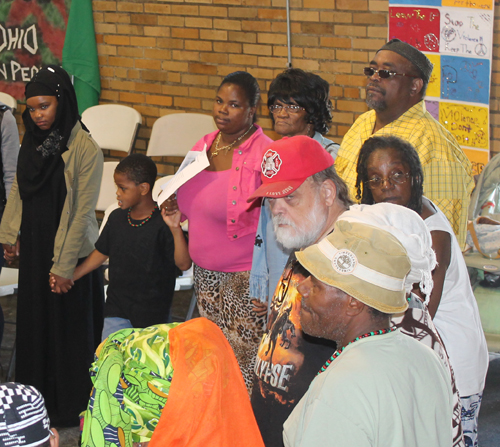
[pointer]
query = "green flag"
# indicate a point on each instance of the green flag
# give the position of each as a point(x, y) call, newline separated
point(80, 54)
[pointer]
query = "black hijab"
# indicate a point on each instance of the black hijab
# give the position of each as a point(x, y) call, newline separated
point(41, 149)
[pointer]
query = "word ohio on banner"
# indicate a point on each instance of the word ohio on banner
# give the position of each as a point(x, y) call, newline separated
point(31, 36)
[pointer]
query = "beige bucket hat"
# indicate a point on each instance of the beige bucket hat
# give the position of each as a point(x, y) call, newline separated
point(363, 261)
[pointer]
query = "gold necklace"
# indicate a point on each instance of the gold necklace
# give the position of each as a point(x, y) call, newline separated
point(229, 146)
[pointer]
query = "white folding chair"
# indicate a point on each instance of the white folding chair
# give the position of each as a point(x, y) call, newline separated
point(174, 135)
point(107, 193)
point(113, 126)
point(8, 100)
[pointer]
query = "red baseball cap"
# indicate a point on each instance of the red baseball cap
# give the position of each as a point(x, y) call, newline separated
point(287, 163)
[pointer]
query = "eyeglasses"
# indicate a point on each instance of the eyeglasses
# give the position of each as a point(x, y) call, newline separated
point(395, 179)
point(290, 108)
point(384, 74)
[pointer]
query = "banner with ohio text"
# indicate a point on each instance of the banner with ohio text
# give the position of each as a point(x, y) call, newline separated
point(31, 36)
point(457, 36)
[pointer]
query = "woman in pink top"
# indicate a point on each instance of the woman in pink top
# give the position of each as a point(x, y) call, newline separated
point(222, 225)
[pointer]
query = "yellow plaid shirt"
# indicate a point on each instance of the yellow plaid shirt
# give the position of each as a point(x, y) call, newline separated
point(448, 178)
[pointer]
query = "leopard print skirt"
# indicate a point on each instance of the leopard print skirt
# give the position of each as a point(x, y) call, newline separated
point(224, 298)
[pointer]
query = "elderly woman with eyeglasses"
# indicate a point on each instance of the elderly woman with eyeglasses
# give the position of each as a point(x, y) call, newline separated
point(389, 170)
point(299, 104)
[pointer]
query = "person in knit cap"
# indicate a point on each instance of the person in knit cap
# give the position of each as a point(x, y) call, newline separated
point(380, 387)
point(397, 79)
point(24, 421)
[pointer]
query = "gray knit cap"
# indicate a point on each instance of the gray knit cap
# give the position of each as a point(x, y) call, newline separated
point(416, 57)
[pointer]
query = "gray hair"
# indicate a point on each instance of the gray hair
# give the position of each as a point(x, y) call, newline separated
point(342, 190)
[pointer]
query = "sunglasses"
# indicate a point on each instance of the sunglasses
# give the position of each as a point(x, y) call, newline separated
point(384, 74)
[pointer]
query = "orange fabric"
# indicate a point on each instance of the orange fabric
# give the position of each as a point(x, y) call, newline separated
point(208, 404)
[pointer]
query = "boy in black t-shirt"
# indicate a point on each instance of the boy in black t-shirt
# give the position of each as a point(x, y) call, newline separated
point(142, 251)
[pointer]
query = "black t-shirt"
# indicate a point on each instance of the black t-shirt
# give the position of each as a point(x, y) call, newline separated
point(142, 269)
point(287, 360)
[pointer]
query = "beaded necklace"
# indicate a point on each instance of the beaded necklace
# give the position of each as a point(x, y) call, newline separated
point(339, 351)
point(144, 221)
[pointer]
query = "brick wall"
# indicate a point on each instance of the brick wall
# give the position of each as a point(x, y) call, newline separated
point(169, 56)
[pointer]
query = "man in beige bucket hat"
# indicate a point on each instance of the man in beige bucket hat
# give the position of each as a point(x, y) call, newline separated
point(380, 387)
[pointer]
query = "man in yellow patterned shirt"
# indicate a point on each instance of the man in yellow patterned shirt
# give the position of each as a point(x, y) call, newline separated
point(397, 79)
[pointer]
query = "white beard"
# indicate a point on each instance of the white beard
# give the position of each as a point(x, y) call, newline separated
point(297, 236)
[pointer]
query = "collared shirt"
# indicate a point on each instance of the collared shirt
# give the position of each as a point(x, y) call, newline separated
point(448, 178)
point(221, 209)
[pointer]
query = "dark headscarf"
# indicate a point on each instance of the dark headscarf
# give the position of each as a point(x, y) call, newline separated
point(41, 149)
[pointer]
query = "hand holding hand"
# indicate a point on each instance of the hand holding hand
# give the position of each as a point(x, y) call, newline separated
point(11, 252)
point(60, 285)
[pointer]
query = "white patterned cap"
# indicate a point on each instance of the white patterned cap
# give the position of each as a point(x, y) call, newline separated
point(23, 417)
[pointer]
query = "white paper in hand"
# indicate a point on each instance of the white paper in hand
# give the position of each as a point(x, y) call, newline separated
point(194, 162)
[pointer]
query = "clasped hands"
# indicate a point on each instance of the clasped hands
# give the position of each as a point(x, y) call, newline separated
point(60, 285)
point(11, 252)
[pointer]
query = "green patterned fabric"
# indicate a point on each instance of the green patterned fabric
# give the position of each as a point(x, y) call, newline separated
point(131, 376)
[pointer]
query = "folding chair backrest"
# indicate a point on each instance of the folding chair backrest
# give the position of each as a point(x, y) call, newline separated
point(113, 126)
point(107, 193)
point(8, 100)
point(176, 134)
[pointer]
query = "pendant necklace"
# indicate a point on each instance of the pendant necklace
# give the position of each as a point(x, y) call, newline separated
point(339, 351)
point(144, 221)
point(229, 146)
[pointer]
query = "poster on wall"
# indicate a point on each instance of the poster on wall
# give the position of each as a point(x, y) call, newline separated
point(457, 36)
point(31, 36)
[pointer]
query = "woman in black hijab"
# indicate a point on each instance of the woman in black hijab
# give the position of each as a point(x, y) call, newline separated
point(51, 207)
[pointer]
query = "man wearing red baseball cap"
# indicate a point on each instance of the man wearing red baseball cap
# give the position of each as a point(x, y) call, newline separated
point(306, 197)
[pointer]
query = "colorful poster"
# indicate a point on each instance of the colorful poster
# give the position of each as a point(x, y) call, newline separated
point(466, 33)
point(465, 79)
point(468, 123)
point(460, 46)
point(484, 5)
point(417, 26)
point(31, 35)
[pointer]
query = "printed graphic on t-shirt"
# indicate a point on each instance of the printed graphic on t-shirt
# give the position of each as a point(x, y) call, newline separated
point(279, 353)
point(287, 360)
point(284, 347)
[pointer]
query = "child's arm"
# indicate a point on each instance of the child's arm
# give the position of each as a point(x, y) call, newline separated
point(94, 260)
point(181, 252)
